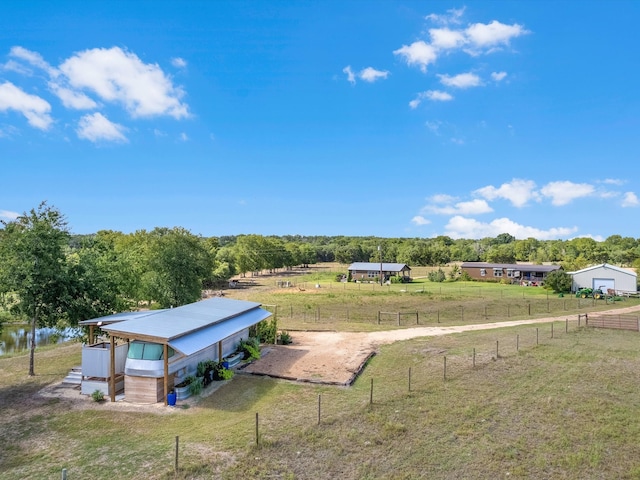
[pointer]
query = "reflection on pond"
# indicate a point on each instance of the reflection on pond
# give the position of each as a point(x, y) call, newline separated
point(16, 338)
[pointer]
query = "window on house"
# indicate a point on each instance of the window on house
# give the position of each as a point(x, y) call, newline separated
point(372, 274)
point(483, 272)
point(147, 351)
point(497, 272)
point(510, 273)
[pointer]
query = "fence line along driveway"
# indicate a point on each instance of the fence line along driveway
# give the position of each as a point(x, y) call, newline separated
point(338, 357)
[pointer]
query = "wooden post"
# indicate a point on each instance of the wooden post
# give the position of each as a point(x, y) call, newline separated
point(529, 305)
point(537, 335)
point(371, 393)
point(175, 464)
point(378, 317)
point(551, 330)
point(91, 341)
point(398, 318)
point(319, 401)
point(474, 357)
point(444, 375)
point(508, 310)
point(497, 350)
point(257, 433)
point(517, 342)
point(112, 368)
point(438, 316)
point(220, 351)
point(462, 313)
point(409, 378)
point(166, 373)
point(566, 325)
point(64, 474)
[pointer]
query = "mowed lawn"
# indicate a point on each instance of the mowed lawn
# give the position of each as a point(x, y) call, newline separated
point(520, 402)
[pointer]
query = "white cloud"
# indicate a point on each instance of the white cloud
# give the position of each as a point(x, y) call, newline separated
point(35, 109)
point(119, 76)
point(434, 127)
point(442, 198)
point(370, 74)
point(498, 76)
point(462, 80)
point(420, 220)
point(351, 77)
point(630, 200)
point(518, 192)
point(614, 181)
point(14, 66)
point(461, 227)
point(96, 127)
point(564, 192)
point(8, 214)
point(71, 98)
point(433, 95)
point(418, 53)
point(33, 58)
point(492, 34)
point(184, 137)
point(473, 207)
point(453, 16)
point(179, 62)
point(446, 39)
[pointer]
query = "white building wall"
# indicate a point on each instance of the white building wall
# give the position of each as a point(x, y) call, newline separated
point(594, 277)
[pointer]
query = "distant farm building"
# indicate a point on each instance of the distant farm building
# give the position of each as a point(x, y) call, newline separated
point(370, 271)
point(608, 278)
point(515, 273)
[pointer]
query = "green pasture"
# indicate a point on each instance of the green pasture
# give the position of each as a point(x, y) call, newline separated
point(536, 404)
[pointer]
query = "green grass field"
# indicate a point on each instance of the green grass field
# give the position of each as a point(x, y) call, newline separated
point(533, 406)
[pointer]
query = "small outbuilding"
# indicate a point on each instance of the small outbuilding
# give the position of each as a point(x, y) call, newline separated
point(149, 352)
point(607, 278)
point(370, 271)
point(534, 275)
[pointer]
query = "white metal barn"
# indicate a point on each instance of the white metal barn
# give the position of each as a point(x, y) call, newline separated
point(605, 277)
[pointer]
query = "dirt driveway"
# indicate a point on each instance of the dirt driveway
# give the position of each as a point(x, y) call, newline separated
point(337, 357)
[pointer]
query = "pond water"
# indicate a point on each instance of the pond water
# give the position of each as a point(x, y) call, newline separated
point(15, 338)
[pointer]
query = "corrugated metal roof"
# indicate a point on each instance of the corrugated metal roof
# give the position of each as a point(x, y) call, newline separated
point(119, 317)
point(514, 266)
point(196, 341)
point(375, 267)
point(177, 322)
point(605, 266)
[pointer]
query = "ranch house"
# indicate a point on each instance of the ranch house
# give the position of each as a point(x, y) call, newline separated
point(149, 352)
point(533, 275)
point(370, 271)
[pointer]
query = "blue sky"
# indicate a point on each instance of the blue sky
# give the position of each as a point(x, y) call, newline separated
point(382, 118)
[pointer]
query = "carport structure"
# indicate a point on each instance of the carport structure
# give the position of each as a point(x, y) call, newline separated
point(186, 334)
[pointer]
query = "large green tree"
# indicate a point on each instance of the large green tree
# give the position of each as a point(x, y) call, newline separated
point(34, 268)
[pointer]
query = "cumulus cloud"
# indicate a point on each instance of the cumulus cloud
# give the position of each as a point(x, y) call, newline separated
point(461, 227)
point(518, 192)
point(179, 62)
point(433, 95)
point(418, 53)
point(420, 220)
point(453, 16)
point(351, 77)
point(498, 76)
point(34, 59)
point(483, 35)
point(564, 192)
point(72, 99)
point(446, 39)
point(96, 127)
point(9, 215)
point(119, 76)
point(462, 80)
point(35, 109)
point(368, 74)
point(630, 199)
point(473, 207)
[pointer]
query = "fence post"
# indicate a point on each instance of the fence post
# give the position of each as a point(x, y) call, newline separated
point(409, 378)
point(462, 313)
point(497, 350)
point(175, 464)
point(517, 342)
point(398, 318)
point(566, 325)
point(319, 400)
point(537, 335)
point(445, 369)
point(438, 315)
point(257, 432)
point(378, 317)
point(371, 393)
point(552, 330)
point(64, 474)
point(474, 357)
